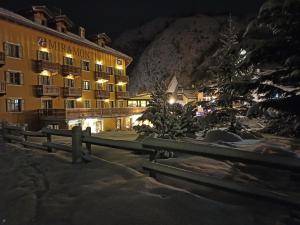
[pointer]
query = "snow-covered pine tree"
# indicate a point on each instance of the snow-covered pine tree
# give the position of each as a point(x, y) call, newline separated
point(167, 120)
point(162, 116)
point(226, 71)
point(272, 43)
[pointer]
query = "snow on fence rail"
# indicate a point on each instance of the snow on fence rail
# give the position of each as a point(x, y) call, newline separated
point(153, 146)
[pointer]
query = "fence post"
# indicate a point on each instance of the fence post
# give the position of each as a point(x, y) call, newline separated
point(49, 140)
point(23, 133)
point(88, 145)
point(5, 131)
point(76, 143)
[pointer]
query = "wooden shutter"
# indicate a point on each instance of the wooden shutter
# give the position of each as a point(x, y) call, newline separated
point(7, 77)
point(8, 109)
point(21, 78)
point(20, 51)
point(65, 60)
point(50, 57)
point(22, 104)
point(65, 82)
point(38, 53)
point(6, 48)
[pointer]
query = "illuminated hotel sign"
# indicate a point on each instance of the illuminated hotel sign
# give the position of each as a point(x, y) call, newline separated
point(63, 48)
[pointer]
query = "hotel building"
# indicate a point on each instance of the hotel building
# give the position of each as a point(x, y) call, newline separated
point(51, 76)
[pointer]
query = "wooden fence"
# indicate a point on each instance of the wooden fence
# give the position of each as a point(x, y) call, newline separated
point(81, 149)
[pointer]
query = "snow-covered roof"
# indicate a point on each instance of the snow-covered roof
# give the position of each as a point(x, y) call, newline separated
point(16, 18)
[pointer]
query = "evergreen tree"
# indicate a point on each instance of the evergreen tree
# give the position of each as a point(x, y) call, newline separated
point(272, 44)
point(167, 120)
point(226, 71)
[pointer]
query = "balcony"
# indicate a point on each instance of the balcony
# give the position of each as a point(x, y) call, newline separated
point(2, 88)
point(2, 59)
point(82, 113)
point(102, 76)
point(121, 79)
point(122, 94)
point(70, 70)
point(72, 92)
point(41, 65)
point(47, 90)
point(102, 94)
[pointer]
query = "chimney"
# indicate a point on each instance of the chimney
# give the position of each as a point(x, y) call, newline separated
point(82, 32)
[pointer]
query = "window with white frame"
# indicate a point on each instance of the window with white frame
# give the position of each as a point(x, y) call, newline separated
point(68, 61)
point(87, 104)
point(15, 105)
point(13, 50)
point(110, 87)
point(85, 65)
point(86, 85)
point(45, 80)
point(45, 56)
point(69, 82)
point(14, 77)
point(70, 104)
point(99, 104)
point(121, 104)
point(100, 86)
point(99, 68)
point(109, 70)
point(118, 72)
point(119, 88)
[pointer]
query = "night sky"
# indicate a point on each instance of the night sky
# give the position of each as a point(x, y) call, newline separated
point(116, 16)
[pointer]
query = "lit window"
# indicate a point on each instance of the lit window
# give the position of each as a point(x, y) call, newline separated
point(86, 85)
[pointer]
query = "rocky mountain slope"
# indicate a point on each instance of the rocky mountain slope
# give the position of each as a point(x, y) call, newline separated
point(172, 46)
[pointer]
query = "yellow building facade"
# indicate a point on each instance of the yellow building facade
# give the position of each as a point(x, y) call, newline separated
point(50, 76)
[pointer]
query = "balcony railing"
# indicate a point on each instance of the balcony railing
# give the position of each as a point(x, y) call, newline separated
point(102, 76)
point(2, 59)
point(2, 88)
point(122, 94)
point(71, 114)
point(70, 70)
point(121, 79)
point(102, 94)
point(72, 92)
point(47, 90)
point(41, 65)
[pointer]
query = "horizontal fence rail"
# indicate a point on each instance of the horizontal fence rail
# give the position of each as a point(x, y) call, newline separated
point(224, 153)
point(220, 184)
point(119, 144)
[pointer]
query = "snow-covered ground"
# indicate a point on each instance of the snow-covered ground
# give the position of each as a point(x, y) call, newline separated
point(41, 188)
